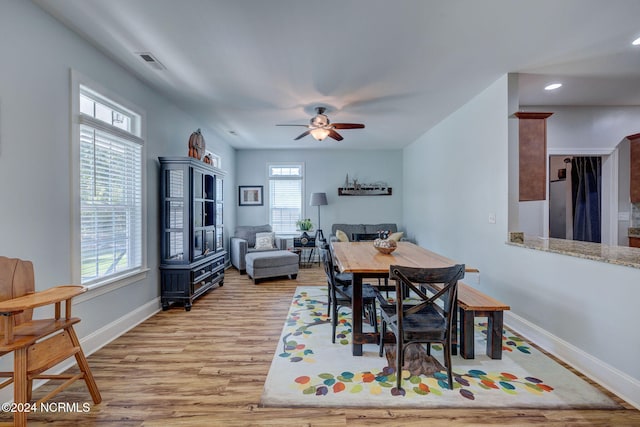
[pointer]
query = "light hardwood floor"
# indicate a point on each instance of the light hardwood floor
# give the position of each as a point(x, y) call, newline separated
point(207, 367)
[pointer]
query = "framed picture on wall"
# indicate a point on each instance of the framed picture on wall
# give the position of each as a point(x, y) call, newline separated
point(250, 195)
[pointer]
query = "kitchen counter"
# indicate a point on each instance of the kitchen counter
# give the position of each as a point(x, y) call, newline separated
point(634, 232)
point(620, 255)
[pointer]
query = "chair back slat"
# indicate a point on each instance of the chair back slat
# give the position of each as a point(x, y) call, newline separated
point(16, 280)
point(327, 263)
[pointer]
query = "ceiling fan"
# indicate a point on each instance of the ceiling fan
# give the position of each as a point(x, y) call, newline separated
point(320, 127)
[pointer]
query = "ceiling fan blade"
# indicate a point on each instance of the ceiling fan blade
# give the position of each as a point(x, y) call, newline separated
point(302, 135)
point(347, 125)
point(335, 135)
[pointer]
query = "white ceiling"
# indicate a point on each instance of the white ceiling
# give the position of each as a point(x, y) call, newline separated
point(398, 66)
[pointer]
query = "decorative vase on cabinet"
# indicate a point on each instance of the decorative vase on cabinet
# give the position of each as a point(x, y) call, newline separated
point(192, 255)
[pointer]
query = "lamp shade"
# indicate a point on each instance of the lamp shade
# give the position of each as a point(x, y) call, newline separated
point(318, 199)
point(319, 134)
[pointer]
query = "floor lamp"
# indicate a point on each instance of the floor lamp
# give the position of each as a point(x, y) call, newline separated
point(318, 199)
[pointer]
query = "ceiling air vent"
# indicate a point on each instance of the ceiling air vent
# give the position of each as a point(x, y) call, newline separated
point(151, 60)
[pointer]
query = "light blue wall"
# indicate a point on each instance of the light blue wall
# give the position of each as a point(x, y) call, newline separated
point(583, 310)
point(35, 136)
point(325, 171)
point(589, 128)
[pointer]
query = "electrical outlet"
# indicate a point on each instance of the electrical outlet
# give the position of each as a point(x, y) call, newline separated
point(492, 218)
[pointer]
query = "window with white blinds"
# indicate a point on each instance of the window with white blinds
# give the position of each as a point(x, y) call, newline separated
point(285, 197)
point(110, 181)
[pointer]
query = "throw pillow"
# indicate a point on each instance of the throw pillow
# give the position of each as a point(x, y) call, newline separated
point(342, 236)
point(396, 236)
point(265, 240)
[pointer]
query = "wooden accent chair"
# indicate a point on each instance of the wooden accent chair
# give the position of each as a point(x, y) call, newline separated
point(341, 294)
point(41, 344)
point(427, 320)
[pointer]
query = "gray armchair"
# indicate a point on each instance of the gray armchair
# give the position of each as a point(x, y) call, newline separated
point(244, 241)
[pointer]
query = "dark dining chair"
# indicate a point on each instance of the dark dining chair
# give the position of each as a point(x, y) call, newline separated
point(340, 294)
point(425, 319)
point(344, 279)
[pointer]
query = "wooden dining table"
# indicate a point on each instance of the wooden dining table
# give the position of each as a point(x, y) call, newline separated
point(364, 261)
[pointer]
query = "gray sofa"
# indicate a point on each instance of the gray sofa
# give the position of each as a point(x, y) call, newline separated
point(352, 229)
point(244, 242)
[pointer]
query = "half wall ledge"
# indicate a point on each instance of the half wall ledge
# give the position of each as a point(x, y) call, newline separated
point(620, 255)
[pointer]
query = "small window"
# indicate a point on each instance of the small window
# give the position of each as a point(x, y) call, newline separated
point(285, 197)
point(94, 105)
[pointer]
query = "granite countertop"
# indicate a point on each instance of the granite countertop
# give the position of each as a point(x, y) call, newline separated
point(634, 232)
point(621, 255)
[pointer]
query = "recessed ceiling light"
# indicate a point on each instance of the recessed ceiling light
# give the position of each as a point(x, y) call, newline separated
point(636, 42)
point(553, 86)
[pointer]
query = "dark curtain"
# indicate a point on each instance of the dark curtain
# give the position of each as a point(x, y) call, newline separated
point(586, 177)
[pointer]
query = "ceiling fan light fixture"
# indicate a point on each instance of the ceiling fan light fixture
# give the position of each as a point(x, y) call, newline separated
point(319, 134)
point(320, 127)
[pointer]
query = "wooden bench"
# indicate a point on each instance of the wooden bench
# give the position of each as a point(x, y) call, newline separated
point(472, 303)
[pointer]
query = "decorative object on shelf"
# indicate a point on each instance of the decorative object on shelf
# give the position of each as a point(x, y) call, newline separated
point(196, 145)
point(304, 224)
point(305, 240)
point(385, 246)
point(207, 159)
point(384, 234)
point(216, 160)
point(250, 195)
point(354, 188)
point(318, 199)
point(516, 237)
point(307, 246)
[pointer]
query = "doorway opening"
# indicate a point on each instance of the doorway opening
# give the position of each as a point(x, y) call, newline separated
point(575, 198)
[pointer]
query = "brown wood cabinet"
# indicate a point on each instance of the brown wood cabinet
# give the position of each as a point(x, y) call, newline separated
point(634, 242)
point(532, 145)
point(634, 160)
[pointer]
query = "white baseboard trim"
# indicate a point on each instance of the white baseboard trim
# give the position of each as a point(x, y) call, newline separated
point(98, 339)
point(103, 336)
point(616, 381)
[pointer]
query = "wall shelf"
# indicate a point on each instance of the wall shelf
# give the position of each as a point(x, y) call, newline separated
point(377, 191)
